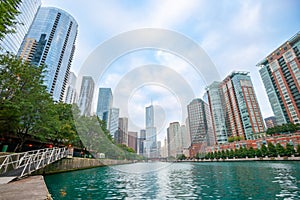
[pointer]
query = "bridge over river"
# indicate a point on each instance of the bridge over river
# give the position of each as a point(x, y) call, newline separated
point(17, 165)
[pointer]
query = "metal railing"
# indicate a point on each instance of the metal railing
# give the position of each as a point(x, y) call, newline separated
point(22, 164)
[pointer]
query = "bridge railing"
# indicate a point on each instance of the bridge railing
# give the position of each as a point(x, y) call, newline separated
point(21, 164)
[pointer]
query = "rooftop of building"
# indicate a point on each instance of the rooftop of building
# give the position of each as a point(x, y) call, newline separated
point(294, 39)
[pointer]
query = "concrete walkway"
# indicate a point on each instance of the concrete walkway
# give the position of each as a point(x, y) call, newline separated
point(30, 188)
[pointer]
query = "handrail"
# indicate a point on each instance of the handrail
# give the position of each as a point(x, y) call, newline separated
point(21, 164)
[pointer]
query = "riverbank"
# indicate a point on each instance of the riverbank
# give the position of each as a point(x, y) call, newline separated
point(73, 164)
point(244, 159)
point(33, 187)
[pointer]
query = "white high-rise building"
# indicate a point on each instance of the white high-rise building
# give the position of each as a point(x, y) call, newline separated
point(174, 140)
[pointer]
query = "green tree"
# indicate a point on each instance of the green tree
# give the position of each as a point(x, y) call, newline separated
point(251, 152)
point(8, 12)
point(231, 154)
point(264, 150)
point(181, 157)
point(298, 149)
point(258, 153)
point(24, 96)
point(289, 149)
point(271, 149)
point(230, 139)
point(280, 150)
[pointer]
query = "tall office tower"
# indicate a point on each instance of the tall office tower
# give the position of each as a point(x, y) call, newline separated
point(71, 94)
point(243, 114)
point(185, 136)
point(132, 140)
point(141, 140)
point(174, 139)
point(12, 42)
point(214, 94)
point(105, 101)
point(51, 41)
point(280, 72)
point(122, 136)
point(199, 125)
point(164, 153)
point(114, 121)
point(86, 95)
point(151, 146)
point(159, 149)
point(270, 122)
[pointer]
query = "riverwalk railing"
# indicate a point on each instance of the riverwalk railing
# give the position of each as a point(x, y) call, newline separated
point(21, 164)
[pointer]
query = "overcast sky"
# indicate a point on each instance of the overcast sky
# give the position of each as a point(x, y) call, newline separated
point(235, 34)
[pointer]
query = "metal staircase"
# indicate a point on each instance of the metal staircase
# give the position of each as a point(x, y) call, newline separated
point(18, 165)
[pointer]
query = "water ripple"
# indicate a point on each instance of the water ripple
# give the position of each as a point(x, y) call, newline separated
point(251, 180)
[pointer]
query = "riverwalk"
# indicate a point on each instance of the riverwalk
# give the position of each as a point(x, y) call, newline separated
point(30, 188)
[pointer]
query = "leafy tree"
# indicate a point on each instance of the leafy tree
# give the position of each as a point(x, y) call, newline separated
point(280, 150)
point(23, 94)
point(230, 139)
point(251, 152)
point(258, 152)
point(8, 12)
point(298, 149)
point(227, 152)
point(231, 154)
point(272, 149)
point(182, 157)
point(289, 149)
point(264, 150)
point(223, 154)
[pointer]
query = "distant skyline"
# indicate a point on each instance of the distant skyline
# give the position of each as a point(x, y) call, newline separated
point(236, 35)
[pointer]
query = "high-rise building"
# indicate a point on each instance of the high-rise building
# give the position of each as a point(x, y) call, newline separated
point(71, 94)
point(215, 100)
point(150, 143)
point(51, 41)
point(185, 136)
point(200, 126)
point(132, 140)
point(122, 134)
point(243, 115)
point(141, 140)
point(105, 101)
point(12, 41)
point(270, 122)
point(174, 139)
point(280, 72)
point(114, 121)
point(86, 95)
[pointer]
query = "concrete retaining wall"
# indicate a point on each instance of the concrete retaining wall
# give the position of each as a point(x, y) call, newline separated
point(71, 164)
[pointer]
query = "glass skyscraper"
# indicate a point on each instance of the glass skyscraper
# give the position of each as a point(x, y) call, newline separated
point(71, 94)
point(12, 42)
point(86, 95)
point(217, 112)
point(200, 126)
point(114, 121)
point(280, 72)
point(105, 101)
point(150, 143)
point(51, 41)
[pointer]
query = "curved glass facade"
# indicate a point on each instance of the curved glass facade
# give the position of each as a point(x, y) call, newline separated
point(54, 31)
point(12, 42)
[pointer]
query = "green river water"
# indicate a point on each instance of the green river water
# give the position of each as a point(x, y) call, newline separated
point(159, 180)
